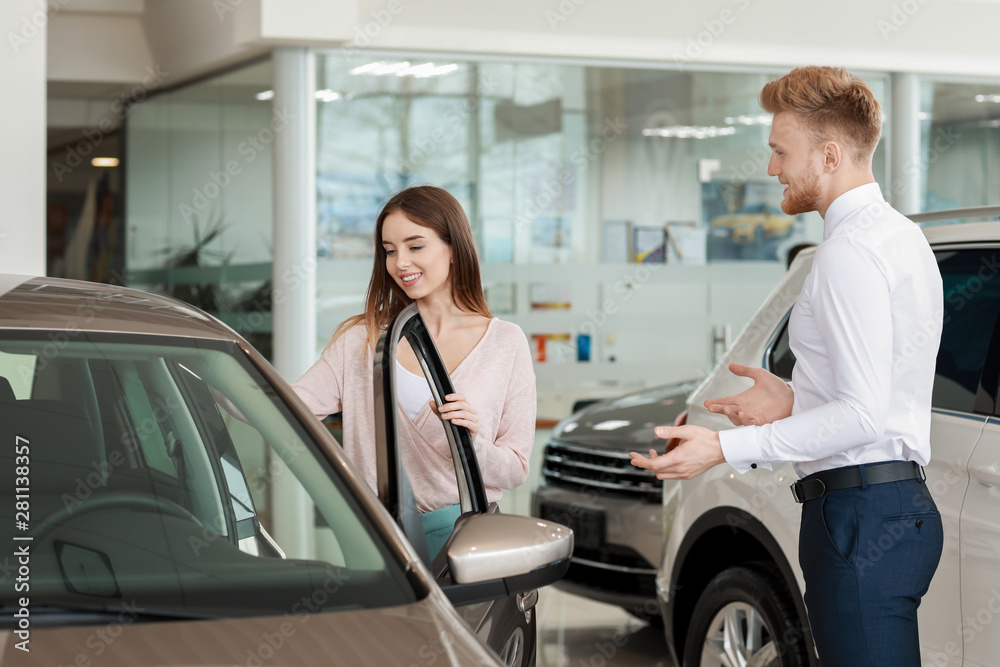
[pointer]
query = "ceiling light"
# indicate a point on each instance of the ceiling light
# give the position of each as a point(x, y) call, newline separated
point(366, 69)
point(264, 96)
point(689, 131)
point(328, 95)
point(756, 119)
point(104, 162)
point(417, 70)
point(441, 70)
point(988, 98)
point(390, 68)
point(405, 68)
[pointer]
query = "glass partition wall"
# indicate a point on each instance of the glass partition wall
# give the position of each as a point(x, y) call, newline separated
point(960, 142)
point(198, 206)
point(624, 215)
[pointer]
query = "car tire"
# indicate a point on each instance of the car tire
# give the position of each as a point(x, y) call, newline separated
point(745, 617)
point(515, 633)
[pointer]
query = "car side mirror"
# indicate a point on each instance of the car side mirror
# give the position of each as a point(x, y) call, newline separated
point(489, 553)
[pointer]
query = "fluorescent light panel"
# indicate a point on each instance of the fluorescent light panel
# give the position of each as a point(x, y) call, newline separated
point(755, 119)
point(405, 68)
point(325, 95)
point(689, 131)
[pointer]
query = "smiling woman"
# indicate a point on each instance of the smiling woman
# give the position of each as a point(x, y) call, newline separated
point(424, 254)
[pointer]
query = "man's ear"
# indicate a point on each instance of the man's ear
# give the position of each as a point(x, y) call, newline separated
point(833, 156)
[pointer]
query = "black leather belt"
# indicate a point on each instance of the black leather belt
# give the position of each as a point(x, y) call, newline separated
point(815, 485)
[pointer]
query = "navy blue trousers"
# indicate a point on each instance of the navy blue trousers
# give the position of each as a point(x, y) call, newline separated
point(868, 555)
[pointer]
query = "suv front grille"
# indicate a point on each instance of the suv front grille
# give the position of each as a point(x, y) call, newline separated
point(600, 470)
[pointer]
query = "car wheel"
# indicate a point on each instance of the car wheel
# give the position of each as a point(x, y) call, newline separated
point(744, 618)
point(758, 234)
point(514, 632)
point(512, 654)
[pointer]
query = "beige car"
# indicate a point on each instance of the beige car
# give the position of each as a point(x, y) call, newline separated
point(168, 500)
point(755, 223)
point(729, 583)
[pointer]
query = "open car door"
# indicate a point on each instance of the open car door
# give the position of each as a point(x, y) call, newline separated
point(491, 566)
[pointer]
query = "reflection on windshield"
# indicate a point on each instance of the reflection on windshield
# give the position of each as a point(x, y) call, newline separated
point(135, 486)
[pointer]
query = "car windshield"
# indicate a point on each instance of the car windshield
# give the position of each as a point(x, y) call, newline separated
point(167, 475)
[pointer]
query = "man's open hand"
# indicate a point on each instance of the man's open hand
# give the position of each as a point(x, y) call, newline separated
point(768, 400)
point(699, 450)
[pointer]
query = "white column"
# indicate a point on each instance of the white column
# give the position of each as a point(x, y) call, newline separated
point(904, 134)
point(23, 115)
point(294, 276)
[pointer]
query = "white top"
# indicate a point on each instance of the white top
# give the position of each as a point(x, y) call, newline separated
point(412, 391)
point(865, 332)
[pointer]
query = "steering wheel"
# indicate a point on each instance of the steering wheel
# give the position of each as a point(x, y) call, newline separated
point(142, 502)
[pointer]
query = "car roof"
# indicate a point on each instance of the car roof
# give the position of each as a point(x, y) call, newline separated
point(74, 306)
point(964, 232)
point(960, 225)
point(947, 227)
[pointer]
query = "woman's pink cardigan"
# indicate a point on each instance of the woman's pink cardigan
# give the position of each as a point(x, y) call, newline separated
point(497, 379)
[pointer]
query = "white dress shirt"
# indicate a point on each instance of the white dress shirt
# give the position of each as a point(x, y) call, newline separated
point(865, 331)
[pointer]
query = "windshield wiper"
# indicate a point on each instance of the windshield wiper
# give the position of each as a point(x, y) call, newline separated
point(49, 615)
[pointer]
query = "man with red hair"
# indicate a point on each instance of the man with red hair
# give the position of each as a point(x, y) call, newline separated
point(857, 425)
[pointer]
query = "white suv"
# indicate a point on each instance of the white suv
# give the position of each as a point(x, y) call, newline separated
point(729, 585)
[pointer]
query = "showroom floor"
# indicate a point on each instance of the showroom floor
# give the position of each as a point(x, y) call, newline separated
point(577, 632)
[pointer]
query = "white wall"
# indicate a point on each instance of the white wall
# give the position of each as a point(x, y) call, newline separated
point(22, 172)
point(192, 37)
point(956, 36)
point(85, 46)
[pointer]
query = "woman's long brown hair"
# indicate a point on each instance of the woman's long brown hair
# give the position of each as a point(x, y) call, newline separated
point(434, 208)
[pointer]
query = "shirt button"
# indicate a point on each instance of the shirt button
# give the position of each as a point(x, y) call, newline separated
point(753, 465)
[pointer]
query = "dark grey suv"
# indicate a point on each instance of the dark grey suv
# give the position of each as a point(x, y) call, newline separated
point(614, 508)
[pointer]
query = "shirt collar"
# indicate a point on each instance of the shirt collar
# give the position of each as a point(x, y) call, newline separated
point(852, 200)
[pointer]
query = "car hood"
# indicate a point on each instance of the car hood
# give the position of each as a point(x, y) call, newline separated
point(388, 636)
point(626, 422)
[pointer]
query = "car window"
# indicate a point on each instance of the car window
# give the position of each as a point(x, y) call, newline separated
point(781, 359)
point(173, 477)
point(17, 370)
point(971, 305)
point(147, 431)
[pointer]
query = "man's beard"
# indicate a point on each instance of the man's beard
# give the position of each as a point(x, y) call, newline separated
point(804, 198)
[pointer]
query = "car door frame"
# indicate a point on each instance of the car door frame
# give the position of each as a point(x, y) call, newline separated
point(981, 598)
point(506, 622)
